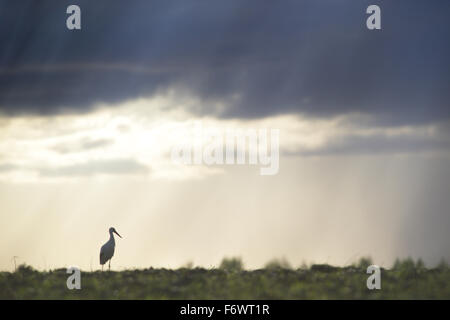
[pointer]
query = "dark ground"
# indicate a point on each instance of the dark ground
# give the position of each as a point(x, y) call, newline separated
point(406, 280)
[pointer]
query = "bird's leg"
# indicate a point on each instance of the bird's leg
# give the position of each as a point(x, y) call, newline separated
point(102, 268)
point(109, 267)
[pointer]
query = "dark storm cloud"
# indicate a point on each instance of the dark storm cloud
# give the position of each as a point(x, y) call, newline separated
point(259, 58)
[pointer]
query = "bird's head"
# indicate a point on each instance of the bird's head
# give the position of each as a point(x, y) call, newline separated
point(111, 230)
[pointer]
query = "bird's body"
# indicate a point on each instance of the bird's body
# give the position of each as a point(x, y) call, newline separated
point(107, 250)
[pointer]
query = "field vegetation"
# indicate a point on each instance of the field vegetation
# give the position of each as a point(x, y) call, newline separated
point(407, 279)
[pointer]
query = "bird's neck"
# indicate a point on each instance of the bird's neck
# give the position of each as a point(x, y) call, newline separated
point(111, 237)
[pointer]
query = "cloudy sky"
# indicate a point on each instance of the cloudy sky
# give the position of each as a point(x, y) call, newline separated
point(89, 118)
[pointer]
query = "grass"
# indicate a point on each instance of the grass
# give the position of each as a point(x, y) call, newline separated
point(407, 279)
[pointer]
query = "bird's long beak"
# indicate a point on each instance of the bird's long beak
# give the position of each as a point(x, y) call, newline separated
point(117, 233)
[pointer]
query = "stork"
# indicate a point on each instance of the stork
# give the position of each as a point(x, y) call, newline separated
point(107, 250)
